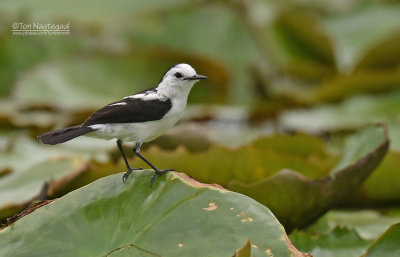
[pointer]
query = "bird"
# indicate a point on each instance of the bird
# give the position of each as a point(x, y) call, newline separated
point(137, 118)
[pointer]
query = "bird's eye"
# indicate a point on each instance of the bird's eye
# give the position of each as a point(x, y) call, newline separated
point(178, 75)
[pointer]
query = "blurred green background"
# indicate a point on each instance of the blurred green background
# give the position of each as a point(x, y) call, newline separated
point(289, 81)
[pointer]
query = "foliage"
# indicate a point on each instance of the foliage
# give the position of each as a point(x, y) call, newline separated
point(285, 116)
point(346, 233)
point(121, 219)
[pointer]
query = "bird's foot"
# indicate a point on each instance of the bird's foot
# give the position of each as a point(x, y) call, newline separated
point(159, 173)
point(126, 174)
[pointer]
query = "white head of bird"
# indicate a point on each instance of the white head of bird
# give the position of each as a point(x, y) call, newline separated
point(178, 80)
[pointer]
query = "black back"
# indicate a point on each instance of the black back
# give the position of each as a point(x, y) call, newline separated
point(135, 110)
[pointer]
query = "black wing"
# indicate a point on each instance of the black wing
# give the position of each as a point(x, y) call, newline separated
point(129, 111)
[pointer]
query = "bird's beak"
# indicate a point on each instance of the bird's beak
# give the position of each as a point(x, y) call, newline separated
point(196, 77)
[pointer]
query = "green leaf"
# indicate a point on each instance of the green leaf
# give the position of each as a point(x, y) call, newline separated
point(249, 163)
point(150, 24)
point(363, 82)
point(347, 116)
point(385, 55)
point(340, 242)
point(369, 224)
point(372, 193)
point(342, 86)
point(19, 188)
point(111, 217)
point(63, 84)
point(344, 233)
point(131, 250)
point(353, 33)
point(195, 37)
point(33, 170)
point(297, 200)
point(360, 145)
point(299, 144)
point(297, 43)
point(244, 251)
point(387, 245)
point(351, 113)
point(18, 55)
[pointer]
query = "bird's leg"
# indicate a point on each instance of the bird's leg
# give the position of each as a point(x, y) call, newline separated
point(126, 175)
point(158, 172)
point(119, 144)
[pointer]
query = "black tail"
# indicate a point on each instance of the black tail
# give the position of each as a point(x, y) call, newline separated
point(63, 135)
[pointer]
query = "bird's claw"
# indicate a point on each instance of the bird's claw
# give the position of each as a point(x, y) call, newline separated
point(159, 173)
point(126, 174)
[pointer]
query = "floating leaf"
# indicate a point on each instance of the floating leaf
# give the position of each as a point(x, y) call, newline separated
point(300, 46)
point(372, 193)
point(32, 170)
point(299, 144)
point(115, 218)
point(340, 242)
point(17, 189)
point(18, 55)
point(244, 251)
point(248, 163)
point(354, 32)
point(387, 245)
point(363, 82)
point(63, 84)
point(344, 233)
point(228, 42)
point(384, 56)
point(191, 136)
point(347, 116)
point(252, 170)
point(350, 114)
point(131, 250)
point(298, 201)
point(339, 87)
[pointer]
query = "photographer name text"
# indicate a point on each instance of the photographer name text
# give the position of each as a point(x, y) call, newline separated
point(38, 29)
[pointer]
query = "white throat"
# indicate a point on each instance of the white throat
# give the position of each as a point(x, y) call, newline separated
point(171, 89)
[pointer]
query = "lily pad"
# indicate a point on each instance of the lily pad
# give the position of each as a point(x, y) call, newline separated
point(372, 193)
point(344, 233)
point(348, 115)
point(244, 251)
point(112, 218)
point(62, 84)
point(387, 245)
point(340, 242)
point(17, 189)
point(363, 82)
point(356, 31)
point(298, 44)
point(340, 87)
point(31, 170)
point(385, 55)
point(298, 201)
point(248, 163)
point(18, 55)
point(265, 171)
